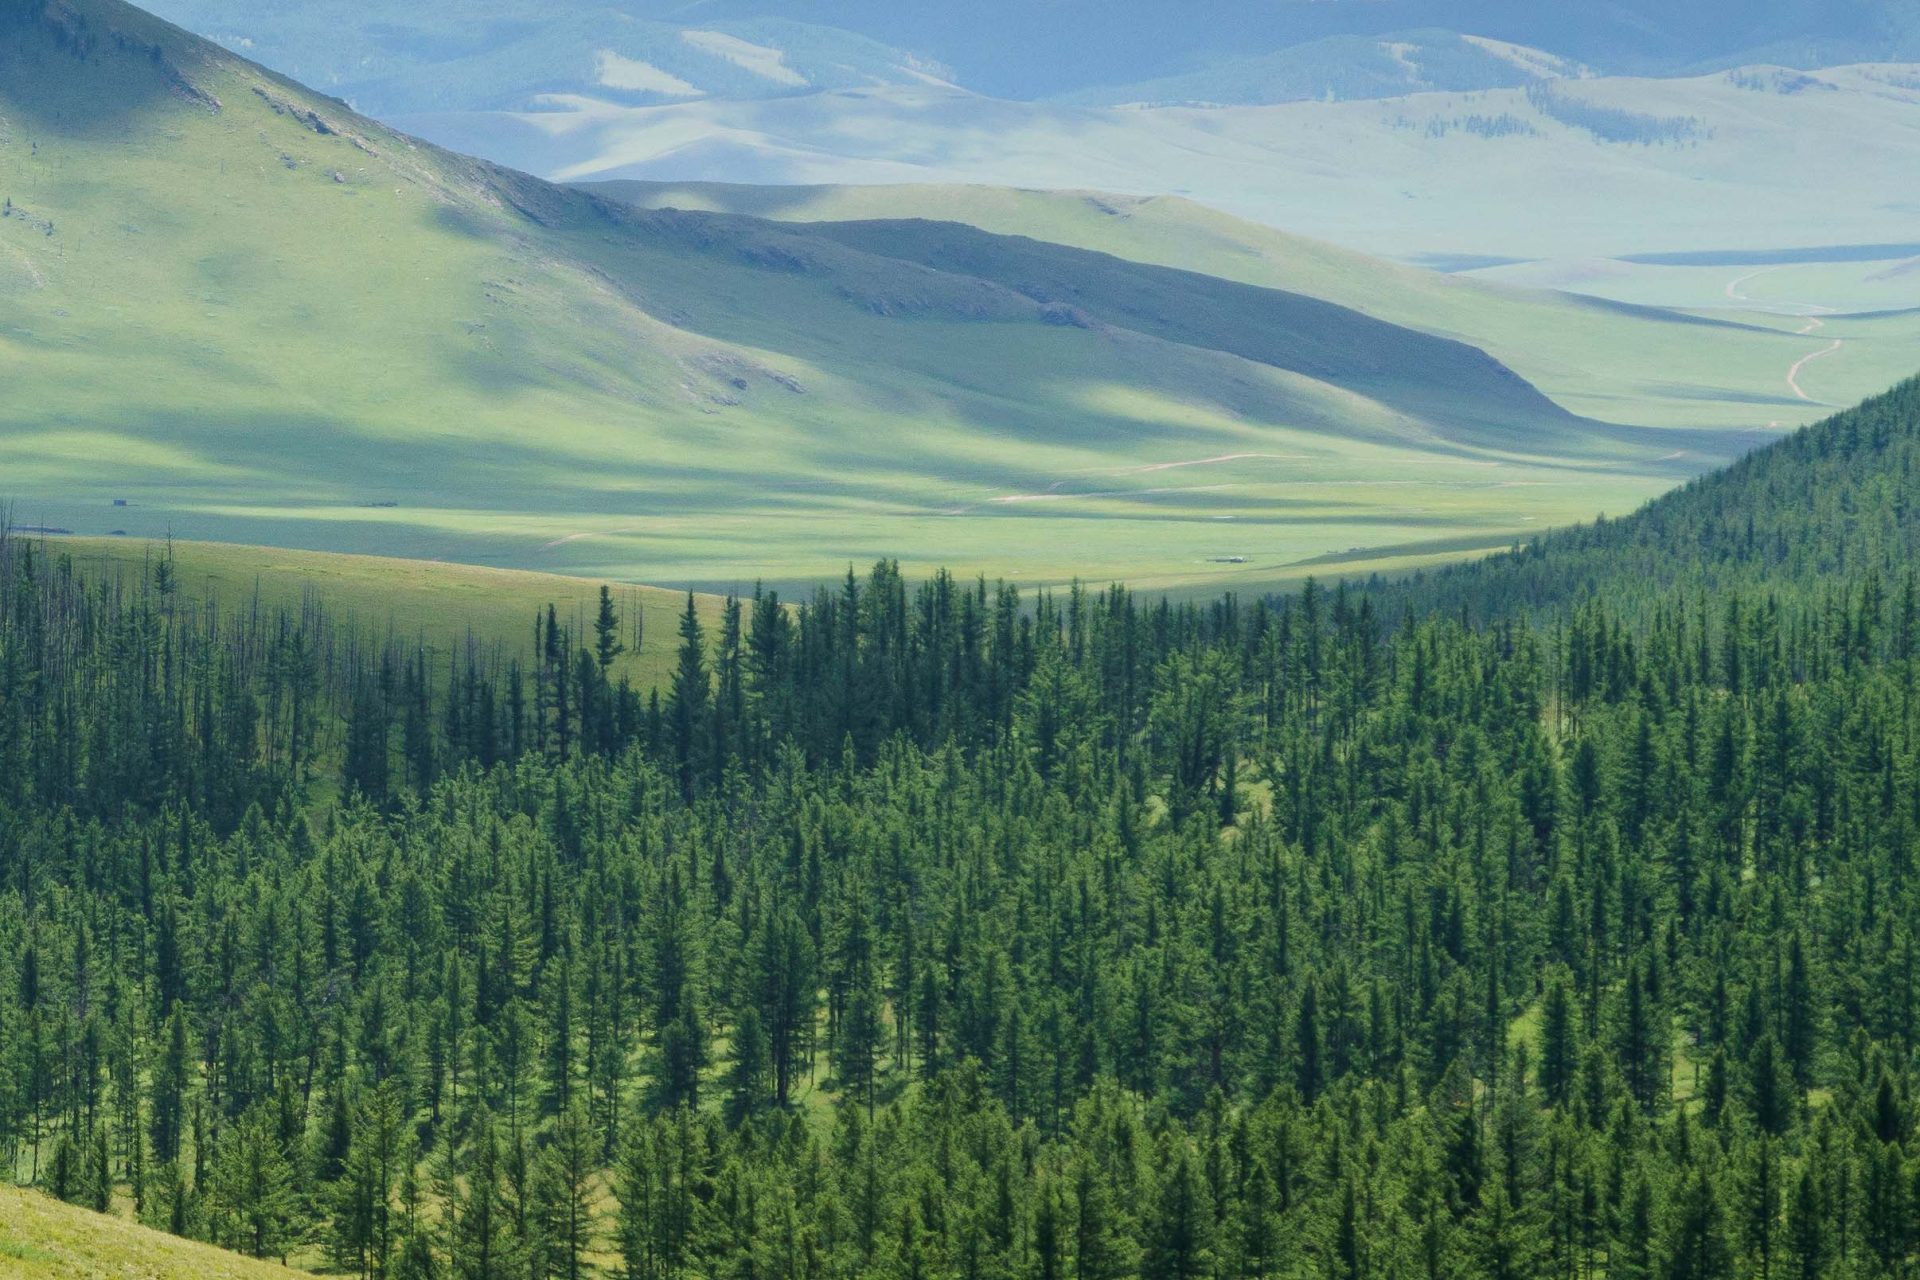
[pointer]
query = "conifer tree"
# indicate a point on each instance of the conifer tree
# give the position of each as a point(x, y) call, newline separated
point(484, 1244)
point(607, 645)
point(1180, 1222)
point(251, 1196)
point(563, 1196)
point(688, 700)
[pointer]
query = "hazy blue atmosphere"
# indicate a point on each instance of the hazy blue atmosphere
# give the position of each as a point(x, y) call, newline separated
point(469, 54)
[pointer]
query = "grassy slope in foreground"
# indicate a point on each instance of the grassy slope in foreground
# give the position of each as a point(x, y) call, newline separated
point(43, 1239)
point(413, 598)
point(262, 319)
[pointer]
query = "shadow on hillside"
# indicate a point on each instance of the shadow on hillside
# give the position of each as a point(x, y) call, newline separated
point(1471, 400)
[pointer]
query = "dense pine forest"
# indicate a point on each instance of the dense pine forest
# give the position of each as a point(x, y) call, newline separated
point(1824, 508)
point(938, 930)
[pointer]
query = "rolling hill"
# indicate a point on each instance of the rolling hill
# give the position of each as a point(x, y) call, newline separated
point(251, 315)
point(1725, 369)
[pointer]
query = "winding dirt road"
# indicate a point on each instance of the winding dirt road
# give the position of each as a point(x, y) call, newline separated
point(1793, 374)
point(1813, 313)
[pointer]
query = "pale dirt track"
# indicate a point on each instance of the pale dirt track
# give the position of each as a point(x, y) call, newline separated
point(1812, 311)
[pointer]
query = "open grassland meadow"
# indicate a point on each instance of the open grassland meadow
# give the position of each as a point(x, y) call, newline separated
point(776, 641)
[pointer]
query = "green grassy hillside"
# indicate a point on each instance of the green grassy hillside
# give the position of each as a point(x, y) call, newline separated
point(1457, 387)
point(43, 1239)
point(255, 317)
point(1617, 363)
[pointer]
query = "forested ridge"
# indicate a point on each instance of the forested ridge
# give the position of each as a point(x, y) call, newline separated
point(939, 931)
point(1825, 505)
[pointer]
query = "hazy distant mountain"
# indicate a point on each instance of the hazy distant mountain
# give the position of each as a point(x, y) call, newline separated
point(1347, 67)
point(1444, 131)
point(389, 56)
point(1760, 158)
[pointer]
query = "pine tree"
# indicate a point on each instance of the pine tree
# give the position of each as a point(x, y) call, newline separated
point(367, 767)
point(1102, 1247)
point(1631, 1255)
point(558, 1048)
point(859, 1035)
point(1768, 1088)
point(378, 1150)
point(1759, 1179)
point(784, 985)
point(170, 1079)
point(563, 1195)
point(641, 1190)
point(749, 1070)
point(688, 702)
point(1180, 1222)
point(1807, 1230)
point(1306, 1037)
point(484, 1244)
point(1559, 1048)
point(1799, 1028)
point(1505, 1242)
point(66, 1175)
point(99, 1170)
point(1049, 1235)
point(606, 633)
point(1694, 1244)
point(1345, 1254)
point(251, 1197)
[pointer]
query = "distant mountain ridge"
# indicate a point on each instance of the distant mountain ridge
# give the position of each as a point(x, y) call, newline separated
point(1548, 168)
point(510, 54)
point(1427, 130)
point(391, 57)
point(1336, 68)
